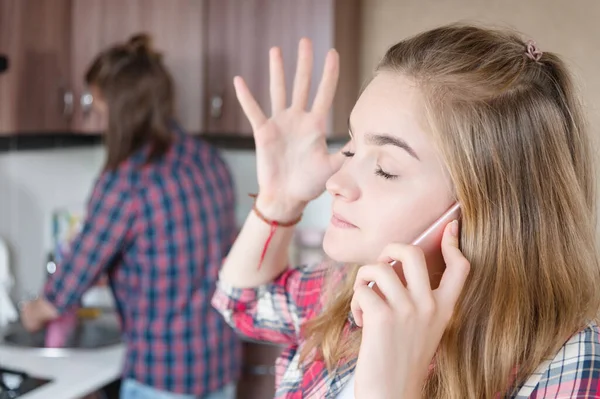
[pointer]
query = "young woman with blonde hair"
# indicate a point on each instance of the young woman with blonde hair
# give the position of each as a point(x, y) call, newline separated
point(507, 307)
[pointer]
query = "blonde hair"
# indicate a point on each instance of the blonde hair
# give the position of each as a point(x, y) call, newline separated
point(512, 134)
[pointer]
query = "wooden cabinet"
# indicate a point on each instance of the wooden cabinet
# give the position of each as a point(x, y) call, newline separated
point(240, 34)
point(205, 43)
point(177, 29)
point(34, 34)
point(258, 371)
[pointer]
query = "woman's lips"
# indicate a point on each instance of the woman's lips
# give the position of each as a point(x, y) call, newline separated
point(340, 222)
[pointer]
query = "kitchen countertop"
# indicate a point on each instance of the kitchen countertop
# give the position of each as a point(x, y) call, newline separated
point(73, 376)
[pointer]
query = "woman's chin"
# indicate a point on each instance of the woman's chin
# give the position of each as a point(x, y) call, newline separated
point(341, 251)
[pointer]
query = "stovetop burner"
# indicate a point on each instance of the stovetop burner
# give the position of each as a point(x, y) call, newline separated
point(15, 383)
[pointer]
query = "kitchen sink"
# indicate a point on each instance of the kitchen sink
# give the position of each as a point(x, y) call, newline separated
point(90, 333)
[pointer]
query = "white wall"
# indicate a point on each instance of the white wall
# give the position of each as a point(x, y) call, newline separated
point(33, 184)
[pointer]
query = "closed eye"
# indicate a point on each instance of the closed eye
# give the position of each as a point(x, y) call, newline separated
point(378, 171)
point(385, 175)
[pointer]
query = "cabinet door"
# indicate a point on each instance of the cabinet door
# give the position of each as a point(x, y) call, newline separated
point(177, 29)
point(35, 34)
point(240, 35)
point(257, 380)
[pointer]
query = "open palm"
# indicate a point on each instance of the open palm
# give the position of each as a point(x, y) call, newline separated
point(293, 162)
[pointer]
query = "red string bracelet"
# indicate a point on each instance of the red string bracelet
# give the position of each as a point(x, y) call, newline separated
point(274, 224)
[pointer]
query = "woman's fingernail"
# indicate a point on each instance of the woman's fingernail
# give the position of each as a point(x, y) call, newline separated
point(454, 228)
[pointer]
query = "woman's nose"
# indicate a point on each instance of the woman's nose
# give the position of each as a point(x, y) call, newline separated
point(341, 185)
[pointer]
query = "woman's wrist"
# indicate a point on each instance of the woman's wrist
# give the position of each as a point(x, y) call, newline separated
point(279, 210)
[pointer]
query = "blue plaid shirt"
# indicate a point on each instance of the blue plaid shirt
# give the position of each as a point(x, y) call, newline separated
point(160, 231)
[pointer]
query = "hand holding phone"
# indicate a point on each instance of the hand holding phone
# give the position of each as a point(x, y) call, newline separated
point(430, 240)
point(404, 317)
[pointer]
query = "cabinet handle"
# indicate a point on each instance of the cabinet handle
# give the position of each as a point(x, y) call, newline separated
point(68, 98)
point(216, 107)
point(86, 102)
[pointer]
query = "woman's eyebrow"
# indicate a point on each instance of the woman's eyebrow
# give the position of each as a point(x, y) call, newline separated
point(387, 139)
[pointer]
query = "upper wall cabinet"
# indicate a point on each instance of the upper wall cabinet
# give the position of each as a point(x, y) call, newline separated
point(205, 43)
point(240, 34)
point(34, 92)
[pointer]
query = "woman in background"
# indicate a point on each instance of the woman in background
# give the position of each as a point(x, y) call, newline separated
point(159, 222)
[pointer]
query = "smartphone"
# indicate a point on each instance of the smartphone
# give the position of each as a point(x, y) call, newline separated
point(431, 239)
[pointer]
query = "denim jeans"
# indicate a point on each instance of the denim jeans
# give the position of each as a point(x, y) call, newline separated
point(131, 389)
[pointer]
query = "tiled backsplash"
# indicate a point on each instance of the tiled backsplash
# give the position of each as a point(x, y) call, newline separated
point(34, 184)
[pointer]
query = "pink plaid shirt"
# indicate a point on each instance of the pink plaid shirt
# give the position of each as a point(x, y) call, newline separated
point(275, 313)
